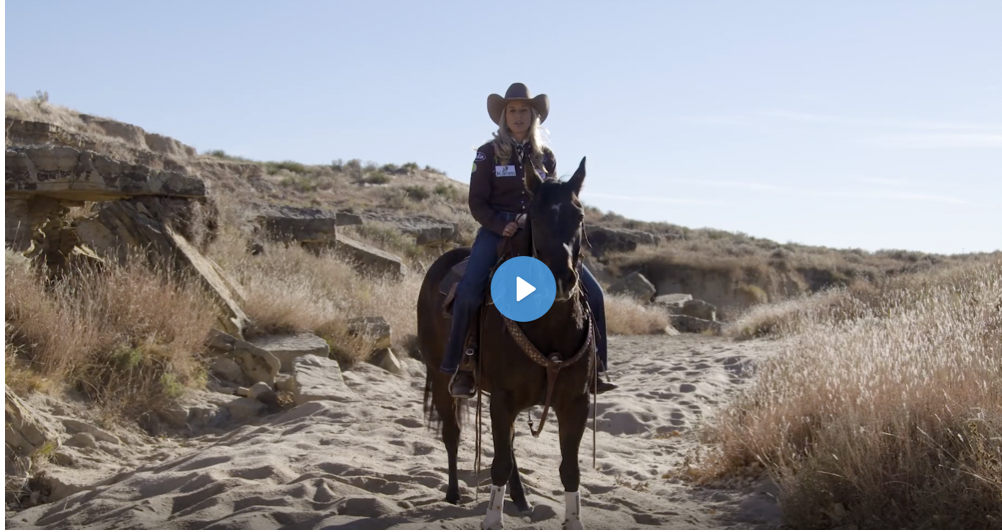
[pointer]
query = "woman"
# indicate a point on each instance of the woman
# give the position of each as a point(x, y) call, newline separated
point(497, 197)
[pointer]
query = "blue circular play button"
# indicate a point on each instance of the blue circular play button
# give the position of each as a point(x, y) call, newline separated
point(523, 289)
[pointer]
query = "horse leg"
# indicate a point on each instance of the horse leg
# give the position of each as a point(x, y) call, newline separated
point(446, 407)
point(515, 482)
point(501, 468)
point(572, 420)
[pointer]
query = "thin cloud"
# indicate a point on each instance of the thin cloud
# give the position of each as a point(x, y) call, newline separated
point(716, 183)
point(882, 181)
point(794, 116)
point(655, 199)
point(935, 141)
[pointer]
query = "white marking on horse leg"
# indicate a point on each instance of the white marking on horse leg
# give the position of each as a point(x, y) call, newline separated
point(572, 511)
point(494, 520)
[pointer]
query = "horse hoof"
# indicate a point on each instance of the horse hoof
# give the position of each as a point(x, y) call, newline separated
point(525, 509)
point(452, 498)
point(574, 525)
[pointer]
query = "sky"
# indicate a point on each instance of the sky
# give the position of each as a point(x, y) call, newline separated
point(871, 125)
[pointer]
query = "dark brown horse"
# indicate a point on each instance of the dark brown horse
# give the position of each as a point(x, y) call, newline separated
point(511, 375)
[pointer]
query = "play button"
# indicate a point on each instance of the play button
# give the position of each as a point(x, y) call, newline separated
point(523, 289)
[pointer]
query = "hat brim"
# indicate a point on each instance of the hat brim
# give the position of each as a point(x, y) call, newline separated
point(496, 104)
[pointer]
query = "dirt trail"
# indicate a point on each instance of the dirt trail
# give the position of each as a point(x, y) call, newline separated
point(372, 463)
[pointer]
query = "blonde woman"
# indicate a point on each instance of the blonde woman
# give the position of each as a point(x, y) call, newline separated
point(497, 197)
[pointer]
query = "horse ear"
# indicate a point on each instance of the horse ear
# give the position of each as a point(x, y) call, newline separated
point(532, 179)
point(578, 178)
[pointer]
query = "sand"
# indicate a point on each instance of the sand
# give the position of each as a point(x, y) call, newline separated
point(371, 462)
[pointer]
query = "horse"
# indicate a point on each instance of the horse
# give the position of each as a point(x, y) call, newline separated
point(549, 361)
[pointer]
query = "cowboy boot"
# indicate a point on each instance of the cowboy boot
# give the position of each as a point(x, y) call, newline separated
point(463, 385)
point(603, 386)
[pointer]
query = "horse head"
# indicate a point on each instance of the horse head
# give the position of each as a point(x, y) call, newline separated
point(556, 217)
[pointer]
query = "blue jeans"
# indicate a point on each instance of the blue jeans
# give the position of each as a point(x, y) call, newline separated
point(473, 287)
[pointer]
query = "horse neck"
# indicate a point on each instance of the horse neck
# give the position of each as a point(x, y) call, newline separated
point(558, 329)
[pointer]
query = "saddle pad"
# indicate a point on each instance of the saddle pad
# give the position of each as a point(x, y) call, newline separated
point(452, 278)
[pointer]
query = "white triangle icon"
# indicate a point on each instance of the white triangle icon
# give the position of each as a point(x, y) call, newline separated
point(522, 289)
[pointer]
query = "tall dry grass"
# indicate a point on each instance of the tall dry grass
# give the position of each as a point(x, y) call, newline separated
point(127, 336)
point(290, 289)
point(885, 410)
point(627, 315)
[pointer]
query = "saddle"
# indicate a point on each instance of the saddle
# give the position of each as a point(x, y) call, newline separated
point(507, 248)
point(450, 282)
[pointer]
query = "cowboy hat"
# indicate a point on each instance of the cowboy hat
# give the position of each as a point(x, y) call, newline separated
point(517, 92)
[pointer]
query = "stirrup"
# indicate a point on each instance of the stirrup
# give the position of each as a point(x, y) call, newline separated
point(466, 395)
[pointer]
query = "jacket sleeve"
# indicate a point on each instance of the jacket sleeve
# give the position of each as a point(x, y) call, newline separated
point(480, 193)
point(550, 164)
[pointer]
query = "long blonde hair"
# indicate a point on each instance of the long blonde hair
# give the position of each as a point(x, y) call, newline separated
point(504, 141)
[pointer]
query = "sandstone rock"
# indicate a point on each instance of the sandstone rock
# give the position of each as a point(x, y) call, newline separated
point(257, 364)
point(348, 218)
point(168, 146)
point(77, 426)
point(427, 232)
point(299, 228)
point(228, 369)
point(81, 440)
point(244, 408)
point(23, 432)
point(384, 358)
point(258, 389)
point(690, 324)
point(69, 173)
point(132, 135)
point(288, 347)
point(376, 328)
point(698, 308)
point(367, 258)
point(672, 301)
point(319, 379)
point(605, 240)
point(284, 383)
point(121, 225)
point(634, 284)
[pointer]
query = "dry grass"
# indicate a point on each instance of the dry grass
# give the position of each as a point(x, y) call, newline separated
point(290, 289)
point(128, 337)
point(885, 407)
point(625, 315)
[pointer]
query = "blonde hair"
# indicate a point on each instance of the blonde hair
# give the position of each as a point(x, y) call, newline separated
point(504, 141)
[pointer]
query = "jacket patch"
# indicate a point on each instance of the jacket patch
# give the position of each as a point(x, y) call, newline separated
point(504, 171)
point(474, 167)
point(481, 156)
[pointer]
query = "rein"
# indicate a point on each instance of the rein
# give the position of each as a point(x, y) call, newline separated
point(553, 364)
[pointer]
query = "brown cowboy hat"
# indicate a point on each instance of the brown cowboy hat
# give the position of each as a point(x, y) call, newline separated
point(517, 92)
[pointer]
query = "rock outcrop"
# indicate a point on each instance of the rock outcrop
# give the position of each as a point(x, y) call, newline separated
point(318, 379)
point(605, 240)
point(68, 173)
point(635, 285)
point(369, 259)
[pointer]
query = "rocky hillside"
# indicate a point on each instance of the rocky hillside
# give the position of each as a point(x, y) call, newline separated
point(407, 210)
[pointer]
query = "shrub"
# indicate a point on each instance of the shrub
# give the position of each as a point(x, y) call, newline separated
point(883, 408)
point(291, 166)
point(626, 315)
point(126, 336)
point(375, 178)
point(417, 192)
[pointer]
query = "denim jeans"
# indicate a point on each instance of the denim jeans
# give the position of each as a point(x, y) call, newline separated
point(473, 287)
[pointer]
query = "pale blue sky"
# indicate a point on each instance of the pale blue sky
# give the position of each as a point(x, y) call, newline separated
point(846, 124)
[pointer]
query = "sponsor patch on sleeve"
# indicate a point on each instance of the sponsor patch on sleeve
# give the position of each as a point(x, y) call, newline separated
point(481, 156)
point(474, 167)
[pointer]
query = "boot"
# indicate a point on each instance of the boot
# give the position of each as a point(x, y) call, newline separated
point(603, 386)
point(463, 385)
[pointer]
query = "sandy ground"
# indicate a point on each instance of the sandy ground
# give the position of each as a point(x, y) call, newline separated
point(373, 463)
